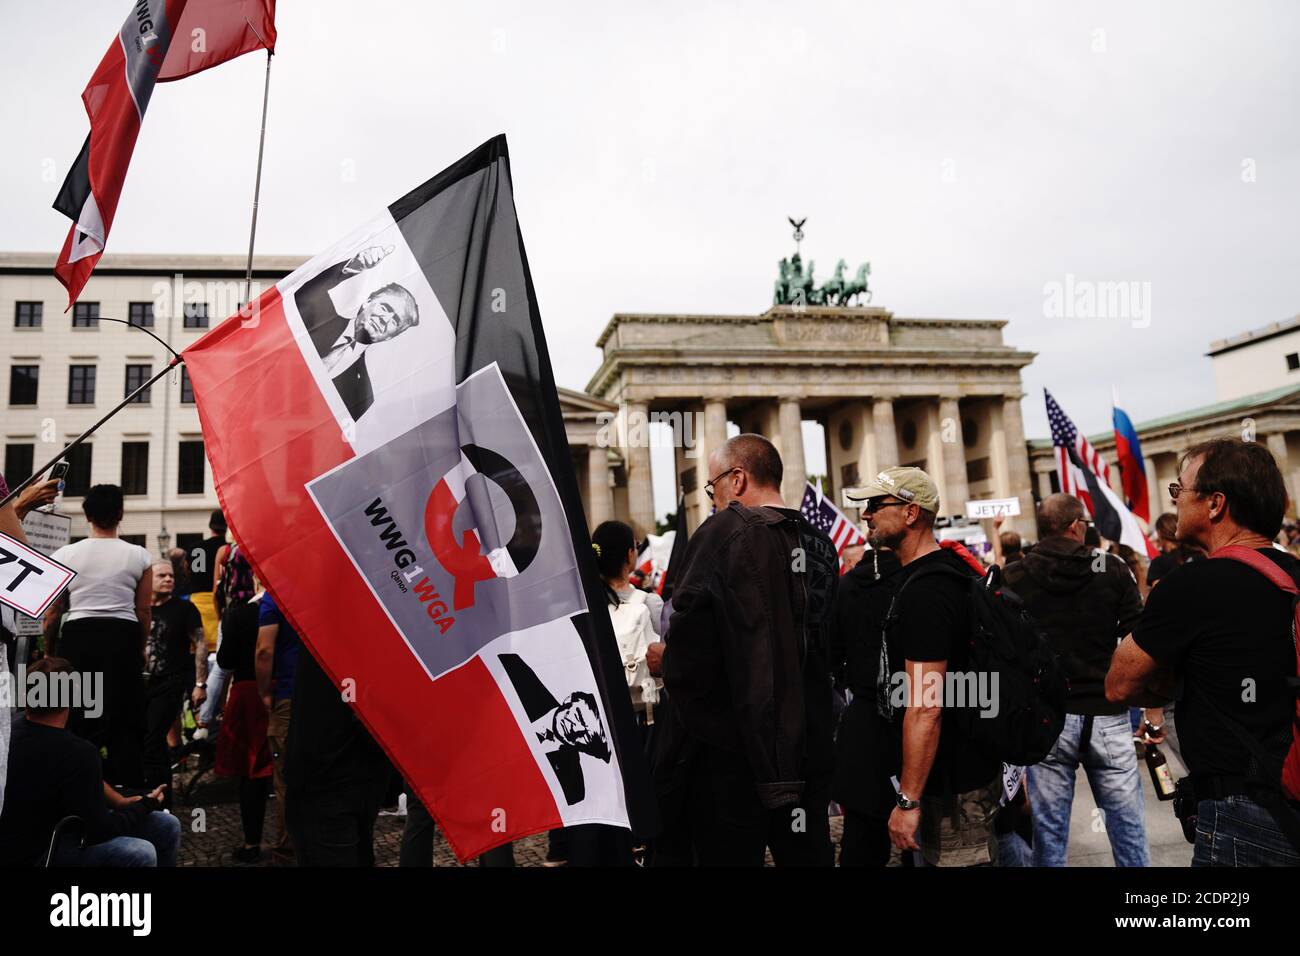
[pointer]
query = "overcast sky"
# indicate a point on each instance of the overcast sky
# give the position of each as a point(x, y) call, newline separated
point(973, 152)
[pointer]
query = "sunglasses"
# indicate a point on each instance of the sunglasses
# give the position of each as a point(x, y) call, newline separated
point(872, 505)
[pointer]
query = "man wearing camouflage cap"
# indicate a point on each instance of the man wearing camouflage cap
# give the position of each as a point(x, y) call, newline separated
point(947, 791)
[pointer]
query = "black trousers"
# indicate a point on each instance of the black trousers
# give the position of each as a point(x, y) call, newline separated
point(417, 839)
point(720, 818)
point(334, 827)
point(253, 794)
point(109, 654)
point(163, 700)
point(865, 841)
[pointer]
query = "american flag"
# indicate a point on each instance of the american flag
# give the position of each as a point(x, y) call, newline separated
point(1064, 437)
point(819, 510)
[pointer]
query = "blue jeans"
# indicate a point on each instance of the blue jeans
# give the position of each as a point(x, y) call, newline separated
point(1014, 851)
point(218, 679)
point(1237, 831)
point(154, 843)
point(1111, 766)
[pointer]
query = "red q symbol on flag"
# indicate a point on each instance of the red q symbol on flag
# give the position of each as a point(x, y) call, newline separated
point(464, 559)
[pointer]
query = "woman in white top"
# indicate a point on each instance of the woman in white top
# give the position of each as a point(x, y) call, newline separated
point(108, 609)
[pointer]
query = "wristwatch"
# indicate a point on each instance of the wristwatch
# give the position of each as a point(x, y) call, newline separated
point(906, 804)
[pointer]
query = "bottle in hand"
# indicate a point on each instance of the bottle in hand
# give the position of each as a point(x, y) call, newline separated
point(1162, 777)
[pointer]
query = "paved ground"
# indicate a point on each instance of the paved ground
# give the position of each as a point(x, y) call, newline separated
point(212, 831)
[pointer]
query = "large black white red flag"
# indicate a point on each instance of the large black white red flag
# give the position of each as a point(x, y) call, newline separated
point(387, 442)
point(161, 40)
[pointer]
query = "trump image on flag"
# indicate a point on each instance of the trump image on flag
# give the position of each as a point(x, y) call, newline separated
point(387, 444)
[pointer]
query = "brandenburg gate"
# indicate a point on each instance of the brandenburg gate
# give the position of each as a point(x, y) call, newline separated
point(941, 394)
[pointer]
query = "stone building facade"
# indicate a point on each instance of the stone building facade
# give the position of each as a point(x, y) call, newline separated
point(942, 394)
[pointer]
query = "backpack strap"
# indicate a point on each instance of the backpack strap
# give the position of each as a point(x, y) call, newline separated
point(1253, 559)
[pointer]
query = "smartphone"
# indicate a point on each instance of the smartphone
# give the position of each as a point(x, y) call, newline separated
point(59, 471)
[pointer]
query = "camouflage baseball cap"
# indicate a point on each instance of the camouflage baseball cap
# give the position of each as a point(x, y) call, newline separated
point(907, 484)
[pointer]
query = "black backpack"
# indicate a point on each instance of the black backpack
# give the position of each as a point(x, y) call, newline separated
point(1031, 685)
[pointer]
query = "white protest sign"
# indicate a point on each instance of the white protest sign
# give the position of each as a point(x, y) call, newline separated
point(992, 507)
point(29, 581)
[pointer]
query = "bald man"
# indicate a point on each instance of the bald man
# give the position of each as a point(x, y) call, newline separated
point(745, 760)
point(176, 657)
point(1085, 601)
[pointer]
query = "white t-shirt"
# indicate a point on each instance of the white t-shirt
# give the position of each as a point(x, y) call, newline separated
point(108, 572)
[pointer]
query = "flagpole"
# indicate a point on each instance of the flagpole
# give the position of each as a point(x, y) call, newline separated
point(257, 183)
point(90, 431)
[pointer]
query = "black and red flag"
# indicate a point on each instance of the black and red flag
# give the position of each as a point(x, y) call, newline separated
point(161, 40)
point(386, 439)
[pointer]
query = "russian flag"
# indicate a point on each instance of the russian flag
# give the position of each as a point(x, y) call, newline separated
point(1131, 463)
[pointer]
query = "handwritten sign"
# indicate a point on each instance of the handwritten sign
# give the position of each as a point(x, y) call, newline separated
point(992, 507)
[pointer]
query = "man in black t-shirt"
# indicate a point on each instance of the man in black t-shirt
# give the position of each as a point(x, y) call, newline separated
point(1226, 631)
point(175, 660)
point(54, 774)
point(947, 789)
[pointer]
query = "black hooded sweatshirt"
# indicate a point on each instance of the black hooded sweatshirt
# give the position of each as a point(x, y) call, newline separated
point(1086, 601)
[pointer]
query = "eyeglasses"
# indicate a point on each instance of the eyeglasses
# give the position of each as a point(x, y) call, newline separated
point(1175, 489)
point(872, 505)
point(708, 485)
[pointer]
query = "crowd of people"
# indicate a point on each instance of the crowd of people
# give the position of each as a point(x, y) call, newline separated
point(779, 684)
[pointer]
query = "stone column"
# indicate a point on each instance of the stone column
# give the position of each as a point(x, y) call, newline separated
point(640, 490)
point(954, 457)
point(791, 419)
point(1044, 485)
point(709, 432)
point(1013, 424)
point(715, 426)
point(886, 438)
point(600, 497)
point(998, 451)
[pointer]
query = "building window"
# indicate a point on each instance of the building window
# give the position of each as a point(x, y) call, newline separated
point(141, 314)
point(23, 380)
point(77, 481)
point(191, 468)
point(81, 385)
point(19, 462)
point(135, 467)
point(1293, 361)
point(977, 469)
point(187, 389)
point(27, 315)
point(196, 315)
point(85, 315)
point(133, 539)
point(137, 375)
